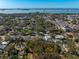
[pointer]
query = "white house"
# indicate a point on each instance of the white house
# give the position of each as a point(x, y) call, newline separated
point(4, 43)
point(59, 37)
point(46, 37)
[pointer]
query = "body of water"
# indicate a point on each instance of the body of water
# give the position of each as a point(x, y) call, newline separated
point(52, 10)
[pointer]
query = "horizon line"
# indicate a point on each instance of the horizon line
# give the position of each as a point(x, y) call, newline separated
point(35, 8)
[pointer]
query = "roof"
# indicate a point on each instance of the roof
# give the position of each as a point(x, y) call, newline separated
point(4, 43)
point(59, 36)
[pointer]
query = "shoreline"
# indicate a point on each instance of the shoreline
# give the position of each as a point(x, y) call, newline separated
point(40, 13)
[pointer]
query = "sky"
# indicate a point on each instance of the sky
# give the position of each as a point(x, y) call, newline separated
point(39, 3)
